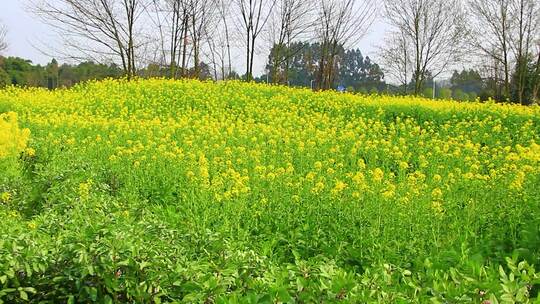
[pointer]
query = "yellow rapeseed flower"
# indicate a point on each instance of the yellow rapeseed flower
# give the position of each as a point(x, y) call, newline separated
point(84, 189)
point(378, 175)
point(5, 197)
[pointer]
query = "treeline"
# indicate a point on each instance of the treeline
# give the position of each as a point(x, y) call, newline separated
point(355, 74)
point(299, 65)
point(21, 72)
point(307, 42)
point(465, 85)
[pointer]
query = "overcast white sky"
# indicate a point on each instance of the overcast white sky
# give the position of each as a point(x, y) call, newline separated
point(25, 32)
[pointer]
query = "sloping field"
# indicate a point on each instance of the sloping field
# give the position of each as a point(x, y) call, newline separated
point(185, 191)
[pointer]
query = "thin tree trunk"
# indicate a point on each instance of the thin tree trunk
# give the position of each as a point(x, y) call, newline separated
point(184, 50)
point(252, 57)
point(248, 50)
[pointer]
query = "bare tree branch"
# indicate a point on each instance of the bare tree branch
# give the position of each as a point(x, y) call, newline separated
point(3, 38)
point(107, 29)
point(430, 33)
point(340, 23)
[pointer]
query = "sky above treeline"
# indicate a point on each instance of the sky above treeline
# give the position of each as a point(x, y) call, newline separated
point(31, 39)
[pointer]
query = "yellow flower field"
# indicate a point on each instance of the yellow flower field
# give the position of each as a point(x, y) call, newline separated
point(187, 191)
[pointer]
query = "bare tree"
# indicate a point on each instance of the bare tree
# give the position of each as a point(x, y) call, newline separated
point(3, 38)
point(491, 33)
point(254, 15)
point(178, 28)
point(289, 21)
point(97, 29)
point(224, 10)
point(396, 58)
point(339, 23)
point(506, 31)
point(202, 14)
point(433, 31)
point(535, 90)
point(525, 14)
point(170, 18)
point(218, 50)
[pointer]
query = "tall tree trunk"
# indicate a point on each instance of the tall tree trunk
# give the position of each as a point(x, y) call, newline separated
point(417, 72)
point(322, 66)
point(275, 64)
point(536, 81)
point(228, 47)
point(184, 47)
point(506, 64)
point(248, 55)
point(252, 57)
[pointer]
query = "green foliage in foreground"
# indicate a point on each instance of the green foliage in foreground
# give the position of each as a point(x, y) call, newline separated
point(162, 191)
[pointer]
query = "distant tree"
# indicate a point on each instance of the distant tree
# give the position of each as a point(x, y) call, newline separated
point(427, 92)
point(362, 90)
point(5, 80)
point(531, 82)
point(18, 69)
point(52, 74)
point(468, 81)
point(302, 63)
point(354, 70)
point(445, 93)
point(69, 75)
point(233, 75)
point(153, 70)
point(203, 72)
point(458, 94)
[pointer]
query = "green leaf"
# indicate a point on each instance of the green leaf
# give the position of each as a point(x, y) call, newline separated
point(108, 300)
point(284, 295)
point(93, 293)
point(502, 274)
point(90, 270)
point(507, 298)
point(23, 295)
point(143, 265)
point(177, 283)
point(190, 287)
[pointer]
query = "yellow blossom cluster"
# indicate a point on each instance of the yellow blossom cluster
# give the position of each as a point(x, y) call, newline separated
point(13, 140)
point(232, 141)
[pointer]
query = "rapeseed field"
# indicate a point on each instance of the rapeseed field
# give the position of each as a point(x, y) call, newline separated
point(161, 191)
